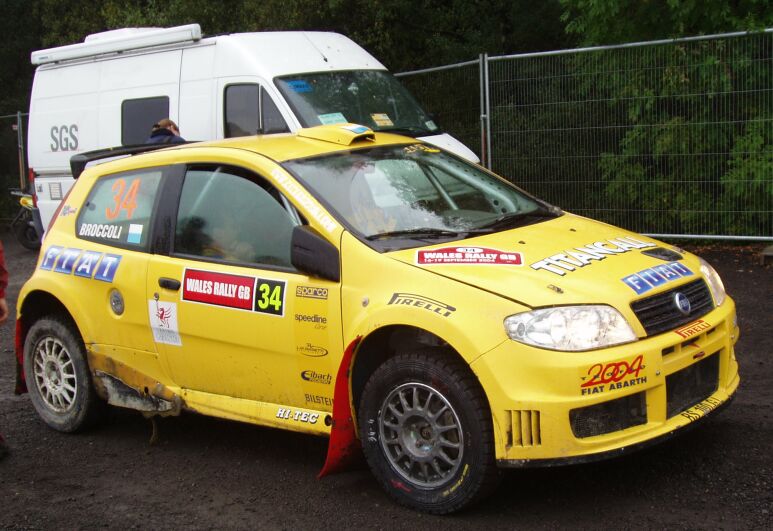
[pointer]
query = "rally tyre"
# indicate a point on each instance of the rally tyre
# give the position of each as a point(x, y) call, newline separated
point(427, 433)
point(57, 374)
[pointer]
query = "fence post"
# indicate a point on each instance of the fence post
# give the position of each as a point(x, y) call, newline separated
point(485, 125)
point(20, 149)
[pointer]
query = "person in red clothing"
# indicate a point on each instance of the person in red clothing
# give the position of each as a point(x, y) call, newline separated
point(3, 318)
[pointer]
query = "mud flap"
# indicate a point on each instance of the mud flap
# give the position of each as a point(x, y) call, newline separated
point(21, 382)
point(343, 450)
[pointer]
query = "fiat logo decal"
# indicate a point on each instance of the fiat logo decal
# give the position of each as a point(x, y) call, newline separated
point(682, 303)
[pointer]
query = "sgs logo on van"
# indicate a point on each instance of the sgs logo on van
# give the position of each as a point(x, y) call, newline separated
point(64, 137)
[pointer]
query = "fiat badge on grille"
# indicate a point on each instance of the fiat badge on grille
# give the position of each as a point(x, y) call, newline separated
point(682, 303)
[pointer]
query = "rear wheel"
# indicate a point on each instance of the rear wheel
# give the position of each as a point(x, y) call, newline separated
point(426, 432)
point(26, 234)
point(57, 374)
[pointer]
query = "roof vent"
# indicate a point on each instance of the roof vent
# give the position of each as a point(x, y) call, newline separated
point(342, 134)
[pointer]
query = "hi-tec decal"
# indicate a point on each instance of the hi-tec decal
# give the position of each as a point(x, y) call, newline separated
point(649, 278)
point(86, 264)
point(101, 230)
point(163, 322)
point(601, 378)
point(693, 328)
point(297, 192)
point(297, 415)
point(571, 259)
point(310, 292)
point(409, 299)
point(218, 289)
point(467, 255)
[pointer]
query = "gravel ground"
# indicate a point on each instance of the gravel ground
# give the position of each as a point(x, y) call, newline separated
point(209, 473)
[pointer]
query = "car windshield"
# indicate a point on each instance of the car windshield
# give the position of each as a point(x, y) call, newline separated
point(368, 97)
point(401, 196)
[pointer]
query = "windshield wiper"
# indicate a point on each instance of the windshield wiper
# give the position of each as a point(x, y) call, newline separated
point(423, 232)
point(517, 219)
point(408, 131)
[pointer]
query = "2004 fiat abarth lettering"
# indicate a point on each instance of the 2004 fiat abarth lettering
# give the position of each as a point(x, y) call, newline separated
point(405, 303)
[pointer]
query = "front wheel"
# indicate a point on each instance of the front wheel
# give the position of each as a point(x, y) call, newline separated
point(57, 374)
point(25, 233)
point(426, 432)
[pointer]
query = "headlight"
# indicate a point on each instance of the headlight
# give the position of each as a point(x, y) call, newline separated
point(715, 283)
point(570, 328)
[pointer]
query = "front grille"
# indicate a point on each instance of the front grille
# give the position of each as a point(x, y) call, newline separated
point(692, 385)
point(659, 313)
point(609, 416)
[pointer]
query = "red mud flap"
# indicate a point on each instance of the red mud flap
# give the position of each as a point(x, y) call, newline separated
point(21, 383)
point(343, 450)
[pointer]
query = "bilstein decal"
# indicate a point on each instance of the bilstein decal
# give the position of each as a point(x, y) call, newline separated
point(467, 255)
point(409, 299)
point(218, 289)
point(578, 257)
point(318, 400)
point(652, 277)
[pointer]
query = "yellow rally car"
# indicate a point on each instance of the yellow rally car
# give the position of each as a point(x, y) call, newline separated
point(376, 290)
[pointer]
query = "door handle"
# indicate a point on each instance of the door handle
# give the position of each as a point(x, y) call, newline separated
point(169, 283)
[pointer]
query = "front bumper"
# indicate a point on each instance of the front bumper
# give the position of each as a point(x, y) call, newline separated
point(554, 408)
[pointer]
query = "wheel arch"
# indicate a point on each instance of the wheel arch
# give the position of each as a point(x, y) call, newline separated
point(37, 304)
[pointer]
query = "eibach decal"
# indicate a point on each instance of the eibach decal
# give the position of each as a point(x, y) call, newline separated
point(605, 377)
point(693, 328)
point(652, 277)
point(467, 256)
point(85, 264)
point(579, 257)
point(218, 289)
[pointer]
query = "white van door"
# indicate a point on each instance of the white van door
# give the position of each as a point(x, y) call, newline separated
point(249, 106)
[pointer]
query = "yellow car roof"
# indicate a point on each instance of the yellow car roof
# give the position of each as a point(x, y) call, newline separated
point(309, 142)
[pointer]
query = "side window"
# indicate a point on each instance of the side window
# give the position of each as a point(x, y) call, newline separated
point(242, 116)
point(232, 215)
point(119, 210)
point(138, 117)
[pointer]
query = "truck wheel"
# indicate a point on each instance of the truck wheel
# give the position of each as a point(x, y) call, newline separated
point(427, 433)
point(58, 376)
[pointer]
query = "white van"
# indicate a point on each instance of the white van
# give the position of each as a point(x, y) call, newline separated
point(110, 89)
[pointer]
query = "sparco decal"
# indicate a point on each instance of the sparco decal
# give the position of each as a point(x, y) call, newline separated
point(317, 377)
point(297, 415)
point(605, 377)
point(311, 292)
point(218, 289)
point(467, 255)
point(101, 230)
point(693, 328)
point(311, 351)
point(649, 278)
point(571, 259)
point(409, 299)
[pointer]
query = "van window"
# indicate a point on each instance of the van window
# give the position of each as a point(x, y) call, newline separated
point(374, 98)
point(232, 215)
point(242, 115)
point(138, 117)
point(119, 209)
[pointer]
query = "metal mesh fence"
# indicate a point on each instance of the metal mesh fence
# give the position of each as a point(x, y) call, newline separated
point(452, 94)
point(667, 138)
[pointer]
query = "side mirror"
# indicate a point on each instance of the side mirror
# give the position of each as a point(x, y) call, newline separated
point(310, 253)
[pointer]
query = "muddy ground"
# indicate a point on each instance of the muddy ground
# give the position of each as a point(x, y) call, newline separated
point(208, 473)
